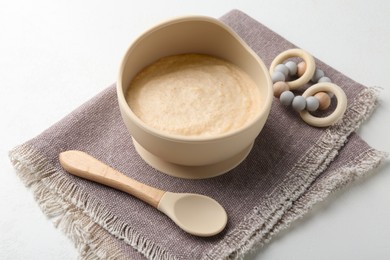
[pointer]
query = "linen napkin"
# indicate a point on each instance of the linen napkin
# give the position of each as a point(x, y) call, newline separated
point(292, 166)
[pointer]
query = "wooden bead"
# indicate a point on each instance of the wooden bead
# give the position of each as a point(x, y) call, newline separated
point(279, 88)
point(323, 99)
point(301, 68)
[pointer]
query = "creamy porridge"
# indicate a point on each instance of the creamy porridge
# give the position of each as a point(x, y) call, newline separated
point(194, 95)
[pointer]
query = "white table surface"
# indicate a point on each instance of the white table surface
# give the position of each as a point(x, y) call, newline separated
point(55, 55)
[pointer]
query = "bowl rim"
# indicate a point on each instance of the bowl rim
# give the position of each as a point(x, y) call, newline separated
point(183, 138)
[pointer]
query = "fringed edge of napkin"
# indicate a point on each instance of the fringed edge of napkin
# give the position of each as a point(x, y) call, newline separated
point(82, 218)
point(358, 168)
point(278, 212)
point(37, 174)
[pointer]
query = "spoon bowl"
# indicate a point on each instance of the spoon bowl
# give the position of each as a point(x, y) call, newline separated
point(194, 213)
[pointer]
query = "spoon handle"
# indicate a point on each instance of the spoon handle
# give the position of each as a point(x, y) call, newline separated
point(85, 166)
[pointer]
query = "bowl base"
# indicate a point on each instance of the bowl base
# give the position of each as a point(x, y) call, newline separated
point(191, 172)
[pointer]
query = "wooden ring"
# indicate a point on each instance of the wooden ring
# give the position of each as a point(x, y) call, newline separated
point(337, 113)
point(310, 66)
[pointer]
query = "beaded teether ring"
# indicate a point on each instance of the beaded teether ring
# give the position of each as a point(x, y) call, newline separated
point(315, 97)
point(337, 113)
point(307, 75)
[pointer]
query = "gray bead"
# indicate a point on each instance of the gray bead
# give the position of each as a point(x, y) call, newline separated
point(299, 103)
point(292, 67)
point(286, 98)
point(278, 76)
point(282, 68)
point(312, 103)
point(317, 75)
point(324, 79)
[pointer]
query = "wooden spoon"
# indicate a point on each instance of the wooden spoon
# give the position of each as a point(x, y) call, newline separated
point(196, 214)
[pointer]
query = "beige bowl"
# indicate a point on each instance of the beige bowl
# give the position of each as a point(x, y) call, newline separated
point(184, 156)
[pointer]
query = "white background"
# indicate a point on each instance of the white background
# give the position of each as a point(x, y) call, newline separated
point(55, 55)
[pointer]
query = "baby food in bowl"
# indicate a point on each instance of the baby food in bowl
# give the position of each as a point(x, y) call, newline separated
point(193, 96)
